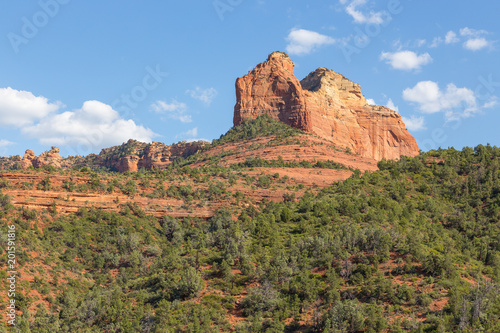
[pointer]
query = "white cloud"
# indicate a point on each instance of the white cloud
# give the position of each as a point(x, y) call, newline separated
point(406, 60)
point(302, 41)
point(390, 104)
point(5, 143)
point(468, 32)
point(431, 99)
point(161, 106)
point(414, 123)
point(476, 44)
point(96, 125)
point(204, 95)
point(174, 110)
point(436, 42)
point(189, 134)
point(425, 93)
point(19, 108)
point(492, 102)
point(474, 40)
point(352, 7)
point(451, 38)
point(420, 42)
point(371, 101)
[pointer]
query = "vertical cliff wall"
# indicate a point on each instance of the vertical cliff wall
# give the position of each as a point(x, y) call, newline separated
point(324, 103)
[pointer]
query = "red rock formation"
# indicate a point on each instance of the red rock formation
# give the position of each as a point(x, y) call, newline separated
point(50, 157)
point(325, 103)
point(134, 155)
point(128, 163)
point(27, 160)
point(130, 156)
point(271, 88)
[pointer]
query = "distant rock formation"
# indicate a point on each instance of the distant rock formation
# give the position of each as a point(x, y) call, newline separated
point(27, 160)
point(325, 103)
point(134, 155)
point(50, 157)
point(130, 156)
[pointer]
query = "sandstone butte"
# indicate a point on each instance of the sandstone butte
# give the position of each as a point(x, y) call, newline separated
point(324, 103)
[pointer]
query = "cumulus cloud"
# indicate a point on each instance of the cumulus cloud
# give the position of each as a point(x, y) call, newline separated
point(491, 102)
point(189, 134)
point(5, 143)
point(420, 42)
point(390, 104)
point(406, 60)
point(451, 38)
point(352, 7)
point(370, 101)
point(476, 44)
point(431, 99)
point(161, 106)
point(468, 32)
point(174, 110)
point(301, 41)
point(204, 95)
point(96, 125)
point(19, 108)
point(473, 39)
point(414, 123)
point(436, 42)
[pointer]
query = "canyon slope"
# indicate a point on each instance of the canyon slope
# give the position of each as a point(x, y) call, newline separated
point(324, 103)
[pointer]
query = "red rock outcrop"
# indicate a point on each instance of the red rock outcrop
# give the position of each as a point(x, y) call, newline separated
point(272, 89)
point(134, 155)
point(50, 157)
point(27, 160)
point(325, 103)
point(130, 156)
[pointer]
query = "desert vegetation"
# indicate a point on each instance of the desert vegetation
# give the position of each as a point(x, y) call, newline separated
point(412, 247)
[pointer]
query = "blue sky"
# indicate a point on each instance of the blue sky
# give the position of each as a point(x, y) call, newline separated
point(84, 75)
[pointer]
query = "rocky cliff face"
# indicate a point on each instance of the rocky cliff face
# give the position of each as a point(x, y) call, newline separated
point(271, 88)
point(325, 103)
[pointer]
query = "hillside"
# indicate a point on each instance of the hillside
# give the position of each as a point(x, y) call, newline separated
point(262, 152)
point(268, 229)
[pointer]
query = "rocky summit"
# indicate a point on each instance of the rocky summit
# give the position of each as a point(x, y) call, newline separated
point(325, 103)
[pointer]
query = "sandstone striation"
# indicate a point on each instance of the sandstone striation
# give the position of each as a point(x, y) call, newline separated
point(324, 103)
